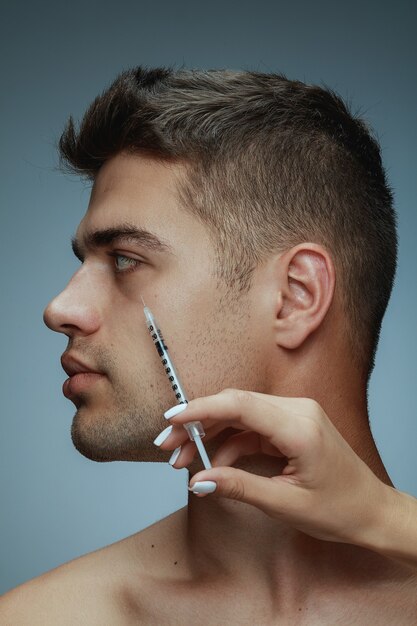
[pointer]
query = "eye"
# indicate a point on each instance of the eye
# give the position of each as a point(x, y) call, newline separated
point(124, 264)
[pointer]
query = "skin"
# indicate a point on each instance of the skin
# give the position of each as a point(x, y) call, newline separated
point(102, 314)
point(310, 491)
point(285, 338)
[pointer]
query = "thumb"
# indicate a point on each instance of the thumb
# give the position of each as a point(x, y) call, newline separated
point(271, 495)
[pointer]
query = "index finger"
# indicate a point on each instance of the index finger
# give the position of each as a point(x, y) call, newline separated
point(277, 418)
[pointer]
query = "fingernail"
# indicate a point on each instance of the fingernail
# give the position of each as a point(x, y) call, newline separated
point(162, 436)
point(175, 455)
point(178, 408)
point(204, 486)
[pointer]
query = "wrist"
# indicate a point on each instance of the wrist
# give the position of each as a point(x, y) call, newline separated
point(393, 526)
point(379, 532)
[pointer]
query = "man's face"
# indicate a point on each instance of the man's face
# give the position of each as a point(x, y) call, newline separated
point(120, 407)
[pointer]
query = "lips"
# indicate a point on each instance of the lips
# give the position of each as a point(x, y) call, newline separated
point(81, 376)
point(73, 366)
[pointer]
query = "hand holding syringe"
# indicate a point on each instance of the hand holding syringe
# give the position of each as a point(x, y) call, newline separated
point(194, 429)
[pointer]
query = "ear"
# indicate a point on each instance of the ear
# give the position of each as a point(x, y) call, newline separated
point(307, 284)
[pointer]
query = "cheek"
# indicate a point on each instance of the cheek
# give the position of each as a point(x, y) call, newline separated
point(127, 339)
point(215, 356)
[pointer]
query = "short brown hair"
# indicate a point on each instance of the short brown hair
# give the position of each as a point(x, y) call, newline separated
point(271, 163)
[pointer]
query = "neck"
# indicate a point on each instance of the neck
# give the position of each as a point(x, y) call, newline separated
point(226, 536)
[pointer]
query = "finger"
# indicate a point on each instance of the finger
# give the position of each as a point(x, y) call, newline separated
point(277, 498)
point(180, 436)
point(186, 456)
point(188, 448)
point(236, 446)
point(280, 420)
point(243, 444)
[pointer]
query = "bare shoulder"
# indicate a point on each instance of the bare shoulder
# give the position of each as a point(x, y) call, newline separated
point(78, 592)
point(89, 589)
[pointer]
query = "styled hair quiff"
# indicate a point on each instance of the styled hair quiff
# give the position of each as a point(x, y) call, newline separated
point(271, 162)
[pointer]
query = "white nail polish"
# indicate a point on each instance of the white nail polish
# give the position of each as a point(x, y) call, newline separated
point(175, 455)
point(178, 408)
point(163, 435)
point(204, 486)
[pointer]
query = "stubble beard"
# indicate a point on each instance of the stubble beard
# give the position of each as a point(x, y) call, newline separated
point(122, 428)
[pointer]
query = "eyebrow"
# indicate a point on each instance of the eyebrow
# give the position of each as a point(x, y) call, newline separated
point(125, 233)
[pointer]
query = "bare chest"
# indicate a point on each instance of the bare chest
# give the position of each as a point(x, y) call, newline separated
point(161, 606)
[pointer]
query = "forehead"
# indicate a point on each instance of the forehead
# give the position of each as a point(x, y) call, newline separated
point(142, 191)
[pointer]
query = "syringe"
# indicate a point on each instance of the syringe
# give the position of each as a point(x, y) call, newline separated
point(195, 430)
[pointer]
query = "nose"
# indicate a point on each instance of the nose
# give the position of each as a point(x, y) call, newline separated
point(74, 311)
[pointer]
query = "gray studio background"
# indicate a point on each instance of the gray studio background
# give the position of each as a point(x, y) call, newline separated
point(55, 58)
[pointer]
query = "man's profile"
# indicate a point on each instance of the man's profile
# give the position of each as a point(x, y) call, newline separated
point(201, 181)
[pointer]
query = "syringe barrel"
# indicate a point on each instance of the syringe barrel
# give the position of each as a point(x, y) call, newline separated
point(162, 349)
point(193, 428)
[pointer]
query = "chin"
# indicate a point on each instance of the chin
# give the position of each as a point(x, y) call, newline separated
point(105, 437)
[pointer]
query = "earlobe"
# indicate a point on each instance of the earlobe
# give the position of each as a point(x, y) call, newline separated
point(306, 295)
